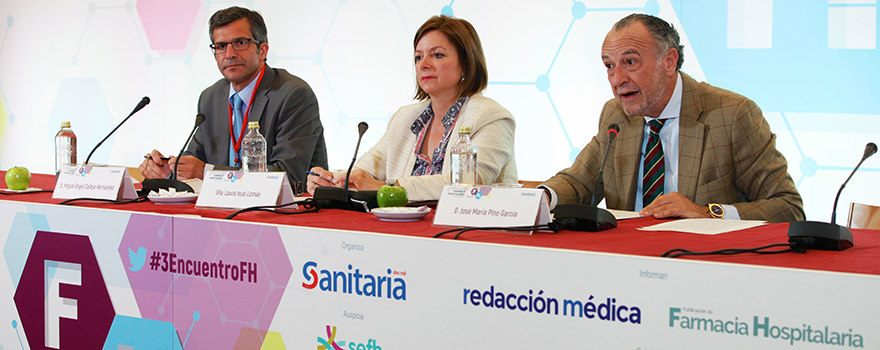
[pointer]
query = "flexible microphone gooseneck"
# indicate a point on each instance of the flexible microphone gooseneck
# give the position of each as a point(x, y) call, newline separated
point(870, 149)
point(613, 129)
point(155, 184)
point(342, 198)
point(362, 128)
point(200, 118)
point(144, 101)
point(828, 236)
point(590, 217)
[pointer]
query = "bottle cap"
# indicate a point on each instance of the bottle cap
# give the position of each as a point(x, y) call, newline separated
point(464, 129)
point(253, 125)
point(65, 124)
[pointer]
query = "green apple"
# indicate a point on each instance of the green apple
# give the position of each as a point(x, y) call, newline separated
point(18, 178)
point(391, 196)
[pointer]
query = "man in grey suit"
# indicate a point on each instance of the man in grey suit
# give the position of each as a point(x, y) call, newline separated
point(708, 152)
point(250, 91)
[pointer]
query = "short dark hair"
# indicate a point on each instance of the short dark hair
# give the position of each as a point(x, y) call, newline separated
point(664, 33)
point(226, 16)
point(469, 48)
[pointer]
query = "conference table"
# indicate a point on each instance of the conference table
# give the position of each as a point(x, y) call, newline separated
point(346, 280)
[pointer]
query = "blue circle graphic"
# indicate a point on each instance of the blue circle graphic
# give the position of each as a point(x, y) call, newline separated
point(543, 83)
point(652, 7)
point(574, 153)
point(578, 10)
point(809, 167)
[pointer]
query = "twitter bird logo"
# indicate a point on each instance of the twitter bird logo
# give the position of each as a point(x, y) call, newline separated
point(137, 259)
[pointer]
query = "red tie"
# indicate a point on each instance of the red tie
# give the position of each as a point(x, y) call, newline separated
point(655, 164)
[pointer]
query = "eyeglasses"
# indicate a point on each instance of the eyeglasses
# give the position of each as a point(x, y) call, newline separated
point(237, 44)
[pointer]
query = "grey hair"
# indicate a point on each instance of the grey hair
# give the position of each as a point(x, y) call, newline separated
point(664, 33)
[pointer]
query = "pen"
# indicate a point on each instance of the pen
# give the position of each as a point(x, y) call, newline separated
point(311, 173)
point(147, 156)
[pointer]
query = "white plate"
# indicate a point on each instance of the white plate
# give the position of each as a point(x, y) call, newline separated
point(401, 214)
point(29, 189)
point(173, 200)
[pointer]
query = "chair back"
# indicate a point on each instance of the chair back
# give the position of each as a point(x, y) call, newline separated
point(863, 216)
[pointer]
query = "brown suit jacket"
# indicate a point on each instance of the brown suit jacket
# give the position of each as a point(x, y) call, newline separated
point(727, 155)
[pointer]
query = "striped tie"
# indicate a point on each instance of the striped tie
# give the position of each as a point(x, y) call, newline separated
point(652, 181)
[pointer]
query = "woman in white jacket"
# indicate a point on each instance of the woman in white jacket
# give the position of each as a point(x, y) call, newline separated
point(451, 73)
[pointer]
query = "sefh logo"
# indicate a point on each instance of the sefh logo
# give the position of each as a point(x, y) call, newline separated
point(61, 297)
point(331, 343)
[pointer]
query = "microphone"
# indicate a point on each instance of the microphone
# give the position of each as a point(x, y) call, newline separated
point(590, 217)
point(342, 198)
point(155, 184)
point(144, 101)
point(613, 129)
point(870, 149)
point(827, 236)
point(362, 128)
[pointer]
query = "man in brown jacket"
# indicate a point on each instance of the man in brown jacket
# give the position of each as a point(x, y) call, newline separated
point(710, 152)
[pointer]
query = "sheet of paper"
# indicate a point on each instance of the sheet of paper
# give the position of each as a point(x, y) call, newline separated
point(623, 214)
point(704, 226)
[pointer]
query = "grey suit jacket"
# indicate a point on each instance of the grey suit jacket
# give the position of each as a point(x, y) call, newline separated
point(727, 155)
point(287, 111)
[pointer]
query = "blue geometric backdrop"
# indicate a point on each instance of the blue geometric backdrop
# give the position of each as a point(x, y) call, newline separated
point(812, 66)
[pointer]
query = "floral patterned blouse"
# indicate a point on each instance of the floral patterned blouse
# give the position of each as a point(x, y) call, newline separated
point(420, 127)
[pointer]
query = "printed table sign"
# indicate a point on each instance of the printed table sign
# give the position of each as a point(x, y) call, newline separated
point(94, 181)
point(238, 189)
point(491, 207)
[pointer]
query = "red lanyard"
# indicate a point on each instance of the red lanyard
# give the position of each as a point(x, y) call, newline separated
point(236, 144)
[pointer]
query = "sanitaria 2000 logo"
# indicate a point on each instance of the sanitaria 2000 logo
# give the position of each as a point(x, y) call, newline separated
point(353, 281)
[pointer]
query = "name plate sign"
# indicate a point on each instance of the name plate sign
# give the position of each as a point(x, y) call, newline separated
point(91, 181)
point(238, 189)
point(491, 207)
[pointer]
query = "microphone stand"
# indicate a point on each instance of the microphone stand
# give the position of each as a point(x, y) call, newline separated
point(342, 198)
point(827, 236)
point(590, 217)
point(155, 184)
point(144, 101)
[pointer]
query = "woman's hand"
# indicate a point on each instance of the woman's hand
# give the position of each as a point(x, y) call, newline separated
point(360, 180)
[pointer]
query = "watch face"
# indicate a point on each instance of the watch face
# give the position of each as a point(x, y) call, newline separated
point(716, 209)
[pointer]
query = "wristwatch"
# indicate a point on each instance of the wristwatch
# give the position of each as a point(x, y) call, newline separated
point(716, 210)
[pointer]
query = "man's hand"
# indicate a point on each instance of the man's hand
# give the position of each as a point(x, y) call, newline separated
point(360, 180)
point(674, 205)
point(189, 168)
point(154, 167)
point(319, 177)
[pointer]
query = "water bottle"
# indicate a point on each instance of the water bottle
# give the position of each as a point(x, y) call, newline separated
point(464, 160)
point(65, 147)
point(253, 149)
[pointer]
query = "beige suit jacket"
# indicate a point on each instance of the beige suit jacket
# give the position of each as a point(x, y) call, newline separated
point(492, 131)
point(727, 155)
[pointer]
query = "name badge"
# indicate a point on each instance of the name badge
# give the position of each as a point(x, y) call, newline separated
point(237, 189)
point(90, 181)
point(491, 207)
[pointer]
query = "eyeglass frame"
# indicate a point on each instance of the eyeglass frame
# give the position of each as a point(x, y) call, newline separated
point(227, 43)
